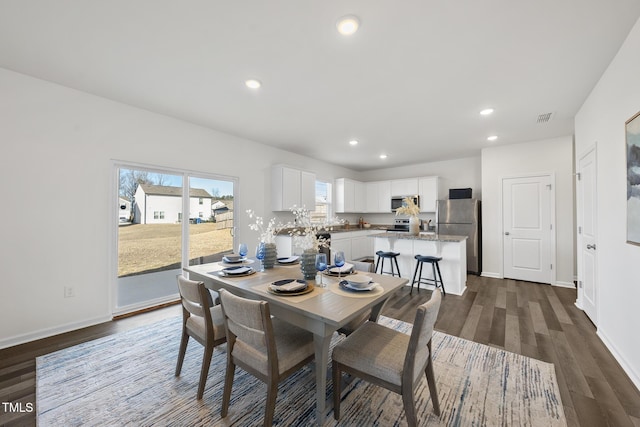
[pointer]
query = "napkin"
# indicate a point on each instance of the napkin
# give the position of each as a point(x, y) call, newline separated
point(288, 285)
point(346, 268)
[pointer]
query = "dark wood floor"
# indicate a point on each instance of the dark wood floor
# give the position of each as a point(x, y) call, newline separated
point(534, 320)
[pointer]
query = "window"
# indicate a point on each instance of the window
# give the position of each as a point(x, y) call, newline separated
point(323, 209)
point(154, 244)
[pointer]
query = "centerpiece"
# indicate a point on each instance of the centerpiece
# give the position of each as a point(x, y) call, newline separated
point(267, 236)
point(412, 210)
point(306, 236)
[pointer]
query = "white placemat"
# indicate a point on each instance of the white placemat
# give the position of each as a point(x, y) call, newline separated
point(293, 298)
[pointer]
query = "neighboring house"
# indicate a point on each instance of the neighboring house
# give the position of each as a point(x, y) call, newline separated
point(159, 204)
point(124, 210)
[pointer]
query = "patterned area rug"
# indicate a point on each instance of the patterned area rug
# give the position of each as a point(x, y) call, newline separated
point(127, 379)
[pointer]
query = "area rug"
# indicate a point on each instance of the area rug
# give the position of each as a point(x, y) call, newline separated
point(128, 379)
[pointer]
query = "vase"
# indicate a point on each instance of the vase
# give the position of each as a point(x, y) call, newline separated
point(414, 225)
point(270, 255)
point(308, 264)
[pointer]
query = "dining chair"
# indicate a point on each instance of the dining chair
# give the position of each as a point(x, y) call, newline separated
point(267, 348)
point(373, 353)
point(349, 328)
point(201, 320)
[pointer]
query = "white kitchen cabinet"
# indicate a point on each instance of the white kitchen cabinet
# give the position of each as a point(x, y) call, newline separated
point(340, 244)
point(290, 186)
point(428, 191)
point(361, 246)
point(350, 195)
point(404, 187)
point(378, 196)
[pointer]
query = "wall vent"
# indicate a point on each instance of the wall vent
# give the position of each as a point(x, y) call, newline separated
point(545, 117)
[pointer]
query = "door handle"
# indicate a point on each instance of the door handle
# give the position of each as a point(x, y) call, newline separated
point(506, 233)
point(591, 246)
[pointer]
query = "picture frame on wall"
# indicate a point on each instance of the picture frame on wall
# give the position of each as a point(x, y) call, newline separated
point(632, 137)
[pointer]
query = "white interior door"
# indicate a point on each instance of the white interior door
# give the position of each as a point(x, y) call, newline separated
point(527, 228)
point(587, 227)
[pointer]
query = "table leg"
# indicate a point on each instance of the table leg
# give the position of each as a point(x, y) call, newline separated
point(321, 344)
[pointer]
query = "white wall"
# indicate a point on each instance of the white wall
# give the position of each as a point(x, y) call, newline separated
point(600, 121)
point(548, 156)
point(58, 146)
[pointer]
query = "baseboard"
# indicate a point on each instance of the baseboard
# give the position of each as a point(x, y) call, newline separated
point(49, 332)
point(492, 275)
point(626, 367)
point(565, 285)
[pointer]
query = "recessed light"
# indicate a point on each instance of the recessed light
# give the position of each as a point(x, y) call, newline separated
point(353, 142)
point(486, 112)
point(348, 25)
point(383, 156)
point(492, 138)
point(253, 84)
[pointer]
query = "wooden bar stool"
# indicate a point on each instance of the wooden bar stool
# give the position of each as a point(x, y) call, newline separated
point(388, 255)
point(420, 260)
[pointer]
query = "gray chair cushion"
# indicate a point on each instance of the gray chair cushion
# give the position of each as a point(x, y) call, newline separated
point(196, 323)
point(292, 343)
point(375, 350)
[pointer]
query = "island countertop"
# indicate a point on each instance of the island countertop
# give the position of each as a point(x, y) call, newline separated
point(431, 237)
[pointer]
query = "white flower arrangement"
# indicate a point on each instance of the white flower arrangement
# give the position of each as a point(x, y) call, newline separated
point(267, 235)
point(305, 232)
point(408, 208)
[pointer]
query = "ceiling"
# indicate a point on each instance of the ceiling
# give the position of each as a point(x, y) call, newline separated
point(410, 83)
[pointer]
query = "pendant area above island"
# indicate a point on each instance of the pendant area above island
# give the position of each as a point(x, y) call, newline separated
point(452, 249)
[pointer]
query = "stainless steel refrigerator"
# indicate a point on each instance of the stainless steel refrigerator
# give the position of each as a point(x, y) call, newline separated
point(462, 217)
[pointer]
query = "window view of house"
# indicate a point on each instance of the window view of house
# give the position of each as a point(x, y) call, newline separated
point(322, 210)
point(153, 229)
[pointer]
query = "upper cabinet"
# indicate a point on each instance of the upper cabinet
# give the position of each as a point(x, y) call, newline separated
point(378, 197)
point(291, 187)
point(428, 191)
point(350, 196)
point(404, 187)
point(375, 197)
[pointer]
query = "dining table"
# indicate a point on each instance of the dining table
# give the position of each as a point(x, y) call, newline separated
point(321, 310)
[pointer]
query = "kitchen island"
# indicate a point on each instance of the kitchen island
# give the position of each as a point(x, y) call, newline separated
point(452, 249)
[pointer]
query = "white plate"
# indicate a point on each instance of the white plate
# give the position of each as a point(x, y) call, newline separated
point(237, 260)
point(359, 281)
point(288, 260)
point(346, 268)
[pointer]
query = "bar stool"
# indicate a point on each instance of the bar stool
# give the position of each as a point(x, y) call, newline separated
point(420, 260)
point(388, 255)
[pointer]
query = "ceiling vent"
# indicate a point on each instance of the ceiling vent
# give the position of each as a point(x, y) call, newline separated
point(545, 117)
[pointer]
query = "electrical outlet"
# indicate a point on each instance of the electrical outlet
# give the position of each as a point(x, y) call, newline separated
point(69, 292)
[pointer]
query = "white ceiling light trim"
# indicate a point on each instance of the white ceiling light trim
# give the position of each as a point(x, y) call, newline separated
point(347, 25)
point(253, 84)
point(492, 138)
point(383, 156)
point(353, 142)
point(486, 112)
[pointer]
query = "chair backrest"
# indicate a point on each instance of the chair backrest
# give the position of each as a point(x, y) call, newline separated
point(195, 297)
point(363, 266)
point(249, 322)
point(420, 342)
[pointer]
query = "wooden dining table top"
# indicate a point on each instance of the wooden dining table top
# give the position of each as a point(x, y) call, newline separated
point(327, 304)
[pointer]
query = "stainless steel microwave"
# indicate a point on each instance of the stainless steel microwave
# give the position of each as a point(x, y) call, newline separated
point(398, 201)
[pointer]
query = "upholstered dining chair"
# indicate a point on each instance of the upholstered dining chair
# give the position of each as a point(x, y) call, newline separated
point(354, 324)
point(267, 348)
point(373, 353)
point(201, 320)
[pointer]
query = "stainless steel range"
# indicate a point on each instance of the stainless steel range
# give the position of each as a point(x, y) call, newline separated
point(401, 224)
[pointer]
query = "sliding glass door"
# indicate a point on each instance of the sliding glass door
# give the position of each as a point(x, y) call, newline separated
point(167, 219)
